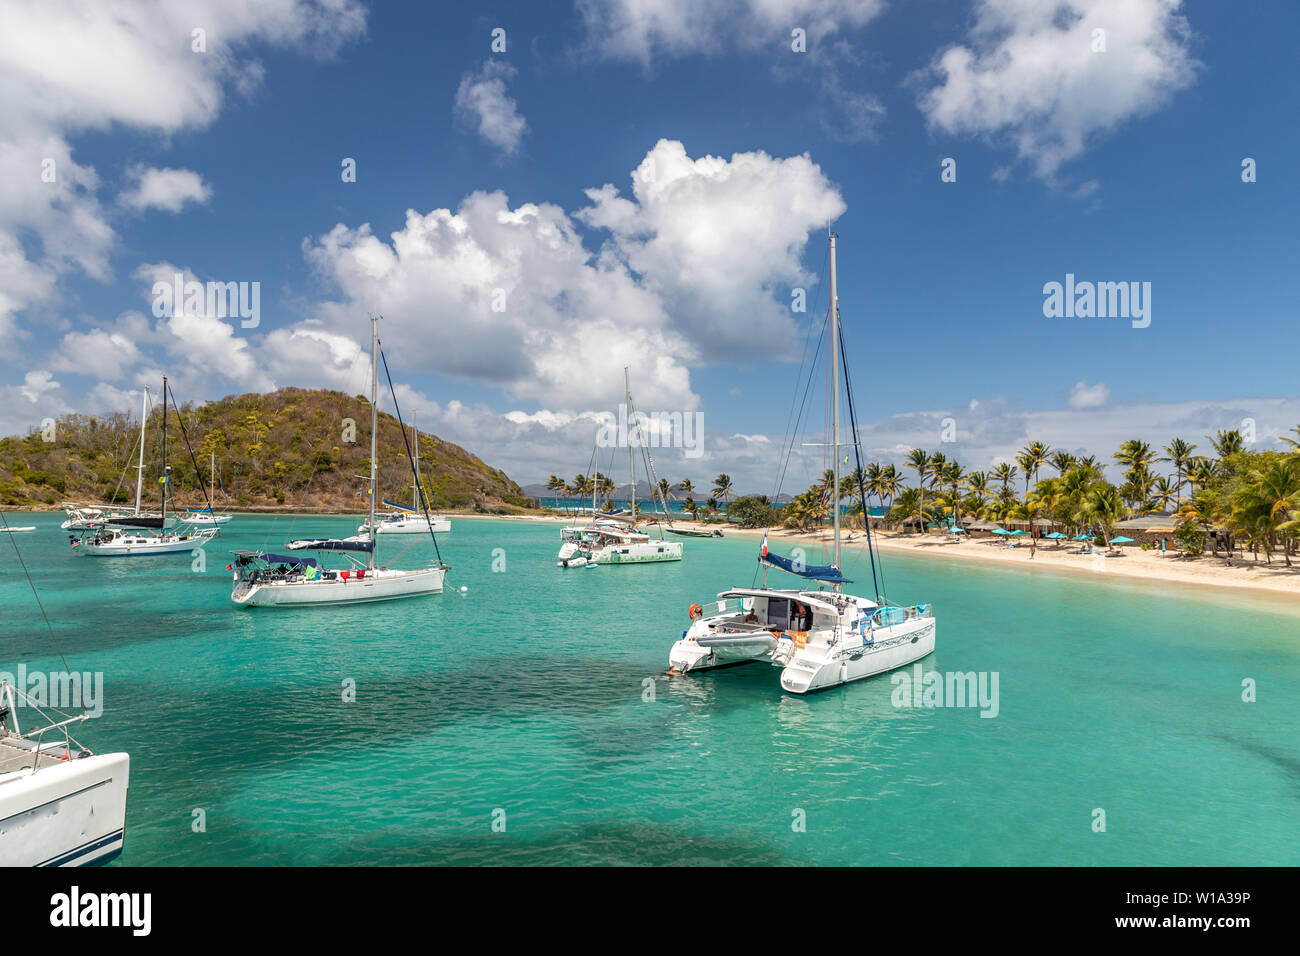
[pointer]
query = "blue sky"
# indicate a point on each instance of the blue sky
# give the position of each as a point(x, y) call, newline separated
point(1114, 165)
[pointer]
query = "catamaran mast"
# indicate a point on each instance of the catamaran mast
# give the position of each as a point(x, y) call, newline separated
point(139, 472)
point(212, 482)
point(835, 403)
point(631, 459)
point(374, 426)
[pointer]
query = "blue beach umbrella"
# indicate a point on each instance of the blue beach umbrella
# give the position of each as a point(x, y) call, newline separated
point(1082, 537)
point(955, 529)
point(1121, 540)
point(1017, 532)
point(1001, 531)
point(1054, 534)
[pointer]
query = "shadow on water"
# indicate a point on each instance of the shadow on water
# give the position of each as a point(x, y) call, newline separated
point(588, 844)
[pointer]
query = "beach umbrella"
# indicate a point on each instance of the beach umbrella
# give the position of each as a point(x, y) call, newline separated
point(1001, 531)
point(955, 529)
point(1054, 534)
point(1121, 540)
point(1082, 537)
point(1018, 531)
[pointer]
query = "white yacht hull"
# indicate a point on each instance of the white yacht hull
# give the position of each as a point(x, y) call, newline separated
point(70, 814)
point(436, 524)
point(379, 585)
point(144, 545)
point(819, 668)
point(638, 553)
point(206, 519)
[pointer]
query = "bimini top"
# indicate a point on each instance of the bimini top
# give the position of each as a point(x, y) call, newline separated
point(330, 544)
point(275, 558)
point(825, 600)
point(826, 573)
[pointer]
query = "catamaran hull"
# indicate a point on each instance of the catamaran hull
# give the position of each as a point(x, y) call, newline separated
point(692, 655)
point(72, 814)
point(380, 587)
point(893, 647)
point(640, 553)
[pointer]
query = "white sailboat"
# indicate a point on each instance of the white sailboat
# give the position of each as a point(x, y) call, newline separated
point(60, 804)
point(404, 520)
point(276, 580)
point(140, 534)
point(606, 541)
point(83, 517)
point(206, 516)
point(819, 638)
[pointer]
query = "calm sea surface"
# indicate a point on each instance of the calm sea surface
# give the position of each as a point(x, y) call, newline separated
point(522, 699)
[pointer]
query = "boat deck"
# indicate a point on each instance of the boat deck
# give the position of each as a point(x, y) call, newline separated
point(19, 754)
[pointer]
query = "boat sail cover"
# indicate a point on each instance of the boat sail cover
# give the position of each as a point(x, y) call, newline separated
point(394, 504)
point(826, 573)
point(244, 557)
point(136, 521)
point(330, 544)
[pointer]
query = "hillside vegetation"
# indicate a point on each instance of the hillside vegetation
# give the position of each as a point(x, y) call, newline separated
point(290, 449)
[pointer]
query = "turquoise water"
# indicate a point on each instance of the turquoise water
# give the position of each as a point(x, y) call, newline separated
point(525, 694)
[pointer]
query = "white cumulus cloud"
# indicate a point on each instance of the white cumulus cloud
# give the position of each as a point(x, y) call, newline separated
point(166, 189)
point(483, 100)
point(1029, 72)
point(1083, 395)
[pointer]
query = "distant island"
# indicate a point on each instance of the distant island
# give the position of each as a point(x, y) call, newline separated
point(287, 450)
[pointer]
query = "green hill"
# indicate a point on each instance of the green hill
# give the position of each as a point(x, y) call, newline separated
point(286, 450)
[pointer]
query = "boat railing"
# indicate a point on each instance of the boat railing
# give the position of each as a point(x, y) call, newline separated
point(892, 614)
point(8, 705)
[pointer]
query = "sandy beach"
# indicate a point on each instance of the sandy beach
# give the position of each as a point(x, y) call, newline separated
point(1134, 562)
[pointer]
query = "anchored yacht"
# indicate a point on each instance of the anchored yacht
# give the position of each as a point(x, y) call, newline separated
point(277, 580)
point(612, 542)
point(819, 638)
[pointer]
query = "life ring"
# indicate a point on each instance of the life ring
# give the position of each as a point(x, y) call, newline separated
point(696, 612)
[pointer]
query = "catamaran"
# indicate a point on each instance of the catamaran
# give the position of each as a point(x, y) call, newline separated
point(404, 520)
point(820, 638)
point(276, 580)
point(60, 804)
point(141, 534)
point(607, 541)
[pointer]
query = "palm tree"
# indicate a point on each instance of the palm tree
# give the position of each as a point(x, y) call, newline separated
point(1031, 459)
point(1062, 461)
point(686, 487)
point(1105, 506)
point(1005, 473)
point(1164, 492)
point(953, 476)
point(978, 483)
point(920, 460)
point(1179, 452)
point(555, 484)
point(908, 506)
point(1227, 443)
point(891, 482)
point(721, 489)
point(1264, 507)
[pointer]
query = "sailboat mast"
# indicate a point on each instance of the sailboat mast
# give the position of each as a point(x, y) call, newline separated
point(164, 455)
point(212, 482)
point(374, 426)
point(631, 459)
point(139, 472)
point(835, 402)
point(416, 428)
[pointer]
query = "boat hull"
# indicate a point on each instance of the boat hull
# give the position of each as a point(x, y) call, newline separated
point(375, 586)
point(137, 547)
point(409, 526)
point(69, 814)
point(810, 671)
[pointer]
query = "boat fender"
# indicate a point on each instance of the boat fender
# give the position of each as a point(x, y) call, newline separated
point(696, 612)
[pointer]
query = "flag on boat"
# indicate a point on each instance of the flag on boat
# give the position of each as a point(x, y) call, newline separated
point(765, 544)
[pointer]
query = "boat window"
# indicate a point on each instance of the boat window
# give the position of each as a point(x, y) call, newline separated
point(778, 613)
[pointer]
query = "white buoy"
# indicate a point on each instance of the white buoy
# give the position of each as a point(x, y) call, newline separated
point(463, 589)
